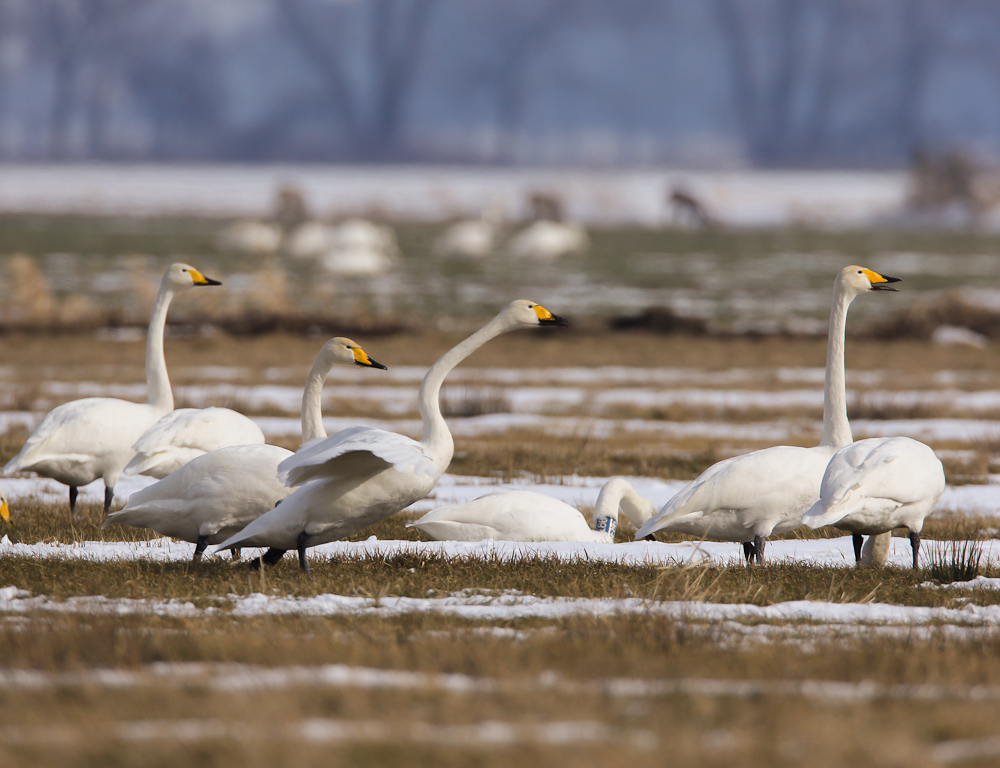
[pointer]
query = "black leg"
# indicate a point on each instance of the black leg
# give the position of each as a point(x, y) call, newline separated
point(269, 558)
point(858, 540)
point(301, 543)
point(748, 550)
point(109, 496)
point(73, 493)
point(915, 544)
point(199, 548)
point(758, 546)
point(236, 554)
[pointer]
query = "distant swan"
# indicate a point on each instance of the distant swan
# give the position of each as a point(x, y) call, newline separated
point(83, 440)
point(186, 434)
point(748, 497)
point(215, 495)
point(362, 475)
point(875, 485)
point(530, 516)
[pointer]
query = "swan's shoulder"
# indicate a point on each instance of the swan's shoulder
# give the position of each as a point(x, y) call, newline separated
point(503, 506)
point(373, 448)
point(206, 428)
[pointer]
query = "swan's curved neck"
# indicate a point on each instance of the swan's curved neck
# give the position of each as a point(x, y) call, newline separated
point(158, 393)
point(312, 403)
point(437, 440)
point(618, 492)
point(836, 427)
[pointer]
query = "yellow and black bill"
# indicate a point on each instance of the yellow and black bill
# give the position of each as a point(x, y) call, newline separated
point(880, 282)
point(200, 279)
point(360, 358)
point(547, 318)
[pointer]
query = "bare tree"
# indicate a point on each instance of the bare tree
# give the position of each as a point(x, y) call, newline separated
point(371, 103)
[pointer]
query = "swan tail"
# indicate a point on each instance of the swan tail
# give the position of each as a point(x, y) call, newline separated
point(817, 515)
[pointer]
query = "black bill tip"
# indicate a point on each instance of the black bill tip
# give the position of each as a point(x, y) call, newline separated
point(371, 364)
point(883, 287)
point(554, 320)
point(209, 281)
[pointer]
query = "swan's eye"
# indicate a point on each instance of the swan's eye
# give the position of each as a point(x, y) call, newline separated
point(859, 272)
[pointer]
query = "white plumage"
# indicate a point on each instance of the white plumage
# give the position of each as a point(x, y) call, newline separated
point(216, 494)
point(187, 433)
point(530, 516)
point(875, 485)
point(549, 240)
point(84, 440)
point(362, 475)
point(747, 498)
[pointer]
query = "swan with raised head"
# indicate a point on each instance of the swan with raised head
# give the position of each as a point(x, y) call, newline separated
point(362, 475)
point(186, 434)
point(530, 516)
point(749, 497)
point(875, 485)
point(84, 440)
point(215, 495)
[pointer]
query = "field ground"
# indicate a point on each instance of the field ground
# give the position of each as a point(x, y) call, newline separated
point(413, 659)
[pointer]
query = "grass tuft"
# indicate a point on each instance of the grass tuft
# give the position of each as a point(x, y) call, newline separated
point(958, 560)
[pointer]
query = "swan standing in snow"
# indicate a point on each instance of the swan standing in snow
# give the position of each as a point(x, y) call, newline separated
point(83, 440)
point(530, 516)
point(875, 485)
point(749, 497)
point(186, 434)
point(215, 495)
point(362, 475)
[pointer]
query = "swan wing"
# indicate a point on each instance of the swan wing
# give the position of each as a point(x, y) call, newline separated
point(780, 479)
point(356, 451)
point(510, 516)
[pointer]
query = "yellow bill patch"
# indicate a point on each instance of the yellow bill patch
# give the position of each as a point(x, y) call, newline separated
point(874, 277)
point(198, 277)
point(360, 356)
point(542, 312)
point(4, 512)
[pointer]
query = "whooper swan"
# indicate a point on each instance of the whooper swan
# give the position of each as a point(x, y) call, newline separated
point(215, 495)
point(362, 475)
point(83, 440)
point(530, 516)
point(748, 497)
point(875, 485)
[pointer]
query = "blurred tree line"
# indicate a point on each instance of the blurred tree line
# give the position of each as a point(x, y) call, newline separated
point(769, 83)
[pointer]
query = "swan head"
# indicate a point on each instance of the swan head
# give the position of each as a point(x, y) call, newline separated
point(861, 280)
point(346, 352)
point(180, 277)
point(530, 314)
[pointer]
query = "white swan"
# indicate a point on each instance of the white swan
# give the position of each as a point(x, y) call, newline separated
point(746, 498)
point(187, 433)
point(530, 516)
point(549, 240)
point(83, 440)
point(215, 495)
point(362, 475)
point(471, 238)
point(875, 485)
point(360, 248)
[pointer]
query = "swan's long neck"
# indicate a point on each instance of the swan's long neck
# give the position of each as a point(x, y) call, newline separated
point(437, 440)
point(158, 393)
point(312, 402)
point(618, 492)
point(836, 427)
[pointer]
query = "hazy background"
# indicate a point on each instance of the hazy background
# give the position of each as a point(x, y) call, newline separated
point(716, 84)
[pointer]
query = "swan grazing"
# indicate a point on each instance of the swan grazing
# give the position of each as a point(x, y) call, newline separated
point(746, 498)
point(875, 485)
point(529, 516)
point(186, 434)
point(83, 440)
point(215, 495)
point(362, 475)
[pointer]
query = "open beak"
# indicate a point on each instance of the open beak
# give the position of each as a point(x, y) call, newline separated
point(880, 282)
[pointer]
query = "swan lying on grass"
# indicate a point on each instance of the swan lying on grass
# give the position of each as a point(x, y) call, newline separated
point(362, 475)
point(215, 495)
point(85, 440)
point(749, 497)
point(530, 516)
